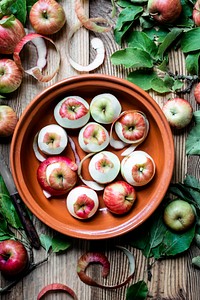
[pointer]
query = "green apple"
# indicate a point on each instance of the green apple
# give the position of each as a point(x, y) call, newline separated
point(179, 215)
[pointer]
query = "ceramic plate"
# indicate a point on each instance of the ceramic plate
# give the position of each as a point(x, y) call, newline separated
point(53, 211)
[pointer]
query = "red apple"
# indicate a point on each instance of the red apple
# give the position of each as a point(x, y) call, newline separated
point(47, 17)
point(8, 120)
point(10, 76)
point(197, 93)
point(13, 258)
point(119, 197)
point(57, 175)
point(178, 112)
point(82, 202)
point(179, 215)
point(196, 13)
point(11, 32)
point(164, 11)
point(138, 168)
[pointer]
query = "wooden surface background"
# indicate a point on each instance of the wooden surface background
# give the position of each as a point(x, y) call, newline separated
point(172, 278)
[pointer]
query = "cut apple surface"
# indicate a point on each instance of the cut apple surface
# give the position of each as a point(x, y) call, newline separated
point(72, 112)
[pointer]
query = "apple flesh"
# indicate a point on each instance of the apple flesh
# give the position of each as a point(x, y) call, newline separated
point(105, 108)
point(179, 215)
point(52, 139)
point(47, 17)
point(82, 202)
point(132, 127)
point(164, 11)
point(119, 197)
point(197, 93)
point(138, 169)
point(13, 258)
point(93, 137)
point(72, 112)
point(8, 120)
point(104, 167)
point(178, 112)
point(57, 175)
point(196, 13)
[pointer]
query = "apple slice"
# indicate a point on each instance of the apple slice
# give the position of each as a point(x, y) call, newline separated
point(57, 175)
point(72, 112)
point(82, 202)
point(104, 167)
point(52, 139)
point(138, 168)
point(105, 108)
point(93, 137)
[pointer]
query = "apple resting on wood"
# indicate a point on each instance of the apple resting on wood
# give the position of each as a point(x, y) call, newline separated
point(57, 175)
point(197, 93)
point(119, 197)
point(196, 13)
point(164, 11)
point(8, 120)
point(178, 112)
point(13, 258)
point(179, 215)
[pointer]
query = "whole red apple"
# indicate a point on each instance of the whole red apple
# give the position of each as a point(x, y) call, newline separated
point(13, 258)
point(10, 76)
point(164, 11)
point(8, 120)
point(119, 197)
point(47, 17)
point(196, 13)
point(197, 93)
point(11, 32)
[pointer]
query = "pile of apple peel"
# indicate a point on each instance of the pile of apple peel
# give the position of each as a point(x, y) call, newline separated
point(58, 174)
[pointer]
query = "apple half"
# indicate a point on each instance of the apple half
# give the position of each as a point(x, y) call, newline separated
point(138, 168)
point(57, 175)
point(105, 108)
point(72, 112)
point(104, 167)
point(52, 139)
point(82, 202)
point(93, 137)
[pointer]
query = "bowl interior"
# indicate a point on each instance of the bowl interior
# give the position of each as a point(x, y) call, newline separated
point(53, 211)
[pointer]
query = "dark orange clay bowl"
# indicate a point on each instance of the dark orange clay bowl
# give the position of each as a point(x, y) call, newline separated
point(53, 211)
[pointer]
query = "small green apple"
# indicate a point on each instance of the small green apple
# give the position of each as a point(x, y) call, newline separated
point(179, 215)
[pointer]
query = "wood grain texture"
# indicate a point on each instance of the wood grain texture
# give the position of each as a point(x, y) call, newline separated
point(172, 279)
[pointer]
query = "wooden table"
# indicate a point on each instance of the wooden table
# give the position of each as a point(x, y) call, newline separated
point(171, 278)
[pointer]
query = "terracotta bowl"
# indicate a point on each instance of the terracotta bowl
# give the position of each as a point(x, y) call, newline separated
point(53, 211)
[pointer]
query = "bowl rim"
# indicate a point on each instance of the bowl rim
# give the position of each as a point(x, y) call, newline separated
point(49, 220)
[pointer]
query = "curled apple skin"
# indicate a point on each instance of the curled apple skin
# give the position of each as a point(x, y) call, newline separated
point(57, 175)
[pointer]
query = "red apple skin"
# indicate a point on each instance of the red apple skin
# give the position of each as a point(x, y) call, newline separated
point(197, 93)
point(10, 76)
point(47, 17)
point(13, 258)
point(119, 197)
point(10, 35)
point(178, 112)
point(8, 120)
point(68, 168)
point(196, 14)
point(164, 11)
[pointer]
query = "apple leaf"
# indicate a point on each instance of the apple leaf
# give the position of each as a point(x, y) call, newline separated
point(132, 58)
point(168, 41)
point(60, 243)
point(142, 78)
point(5, 232)
point(46, 242)
point(192, 63)
point(191, 35)
point(137, 291)
point(192, 145)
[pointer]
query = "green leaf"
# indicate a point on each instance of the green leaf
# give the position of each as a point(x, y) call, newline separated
point(191, 35)
point(193, 140)
point(159, 85)
point(142, 78)
point(19, 9)
point(132, 58)
point(119, 35)
point(137, 291)
point(7, 208)
point(140, 40)
point(5, 232)
point(46, 241)
point(168, 41)
point(60, 243)
point(192, 63)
